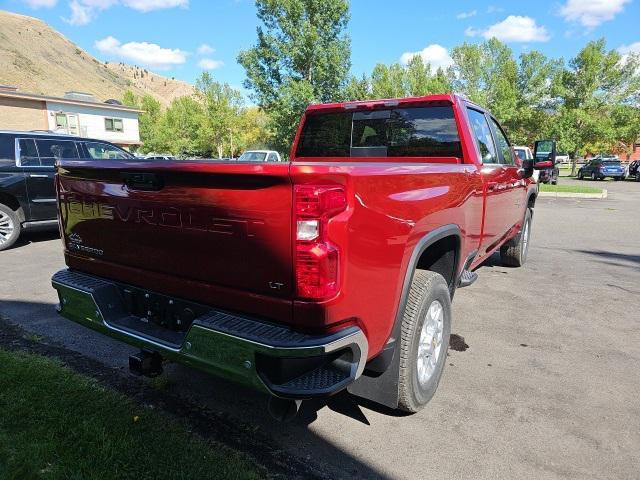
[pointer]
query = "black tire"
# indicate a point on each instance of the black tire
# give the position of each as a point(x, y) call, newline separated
point(617, 179)
point(9, 227)
point(593, 176)
point(638, 177)
point(514, 252)
point(427, 288)
point(580, 175)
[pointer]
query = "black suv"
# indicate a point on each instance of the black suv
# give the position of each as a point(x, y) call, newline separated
point(27, 191)
point(634, 170)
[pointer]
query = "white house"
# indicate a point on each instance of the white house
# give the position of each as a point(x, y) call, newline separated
point(76, 113)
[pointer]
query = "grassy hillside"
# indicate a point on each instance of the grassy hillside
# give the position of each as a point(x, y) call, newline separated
point(38, 59)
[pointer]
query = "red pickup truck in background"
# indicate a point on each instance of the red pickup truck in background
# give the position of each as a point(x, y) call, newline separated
point(335, 270)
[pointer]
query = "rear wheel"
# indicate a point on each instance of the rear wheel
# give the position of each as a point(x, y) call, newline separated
point(580, 175)
point(9, 227)
point(514, 253)
point(426, 327)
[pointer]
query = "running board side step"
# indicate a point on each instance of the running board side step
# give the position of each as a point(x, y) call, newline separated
point(467, 278)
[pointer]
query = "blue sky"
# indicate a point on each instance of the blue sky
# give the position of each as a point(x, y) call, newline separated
point(181, 37)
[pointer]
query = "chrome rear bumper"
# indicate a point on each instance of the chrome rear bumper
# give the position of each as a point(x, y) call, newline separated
point(247, 350)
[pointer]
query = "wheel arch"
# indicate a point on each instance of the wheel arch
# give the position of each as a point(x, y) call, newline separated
point(13, 203)
point(380, 381)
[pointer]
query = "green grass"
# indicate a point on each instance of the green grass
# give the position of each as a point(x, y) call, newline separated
point(568, 188)
point(57, 424)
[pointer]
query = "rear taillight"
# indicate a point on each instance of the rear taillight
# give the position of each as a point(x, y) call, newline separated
point(317, 260)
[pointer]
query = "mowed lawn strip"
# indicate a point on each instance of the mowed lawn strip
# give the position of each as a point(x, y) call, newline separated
point(544, 187)
point(57, 424)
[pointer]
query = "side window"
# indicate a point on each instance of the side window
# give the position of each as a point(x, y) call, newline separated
point(28, 153)
point(102, 151)
point(503, 144)
point(272, 158)
point(8, 147)
point(52, 150)
point(484, 140)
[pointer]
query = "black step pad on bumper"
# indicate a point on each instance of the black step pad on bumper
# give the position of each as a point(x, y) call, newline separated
point(288, 364)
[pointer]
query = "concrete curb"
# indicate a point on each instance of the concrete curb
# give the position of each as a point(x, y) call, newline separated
point(574, 195)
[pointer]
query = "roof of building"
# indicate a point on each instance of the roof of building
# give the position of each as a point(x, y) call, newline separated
point(10, 93)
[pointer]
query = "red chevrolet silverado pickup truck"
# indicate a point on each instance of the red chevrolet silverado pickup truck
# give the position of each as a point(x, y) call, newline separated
point(332, 271)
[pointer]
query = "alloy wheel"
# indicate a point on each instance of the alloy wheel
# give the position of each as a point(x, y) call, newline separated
point(431, 339)
point(6, 227)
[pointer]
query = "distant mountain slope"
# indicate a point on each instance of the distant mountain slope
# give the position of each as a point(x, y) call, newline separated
point(38, 59)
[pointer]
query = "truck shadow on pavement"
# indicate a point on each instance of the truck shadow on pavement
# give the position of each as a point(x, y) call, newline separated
point(609, 257)
point(36, 236)
point(212, 407)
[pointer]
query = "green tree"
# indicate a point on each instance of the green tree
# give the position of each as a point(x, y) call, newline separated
point(467, 72)
point(421, 80)
point(179, 130)
point(591, 90)
point(487, 73)
point(148, 120)
point(357, 89)
point(302, 55)
point(388, 81)
point(253, 133)
point(222, 107)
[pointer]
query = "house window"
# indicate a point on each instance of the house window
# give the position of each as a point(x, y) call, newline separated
point(67, 123)
point(61, 121)
point(113, 125)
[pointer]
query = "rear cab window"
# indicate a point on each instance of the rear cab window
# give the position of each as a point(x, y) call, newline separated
point(428, 131)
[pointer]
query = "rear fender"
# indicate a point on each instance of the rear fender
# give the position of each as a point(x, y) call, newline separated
point(380, 381)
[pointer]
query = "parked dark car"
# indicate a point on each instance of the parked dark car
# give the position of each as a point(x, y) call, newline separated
point(27, 192)
point(634, 170)
point(599, 168)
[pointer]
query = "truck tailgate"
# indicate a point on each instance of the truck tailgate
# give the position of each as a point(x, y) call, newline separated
point(223, 224)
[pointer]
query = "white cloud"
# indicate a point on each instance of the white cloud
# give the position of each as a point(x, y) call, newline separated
point(435, 54)
point(142, 53)
point(591, 13)
point(205, 49)
point(626, 50)
point(84, 11)
point(494, 9)
point(80, 14)
point(149, 5)
point(463, 15)
point(514, 28)
point(35, 4)
point(210, 64)
point(471, 32)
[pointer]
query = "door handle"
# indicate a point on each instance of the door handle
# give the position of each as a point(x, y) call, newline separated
point(38, 175)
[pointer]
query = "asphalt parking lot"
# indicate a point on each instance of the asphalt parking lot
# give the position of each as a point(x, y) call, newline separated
point(548, 388)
